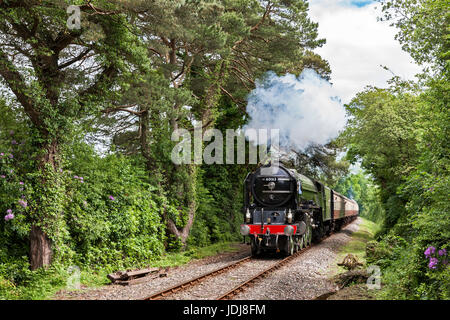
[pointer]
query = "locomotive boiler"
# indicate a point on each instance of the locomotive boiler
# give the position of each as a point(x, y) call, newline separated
point(287, 211)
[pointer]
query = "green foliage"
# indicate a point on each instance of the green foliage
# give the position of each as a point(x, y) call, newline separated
point(113, 214)
point(423, 28)
point(98, 231)
point(407, 154)
point(168, 65)
point(53, 88)
point(360, 188)
point(405, 270)
point(319, 162)
point(27, 284)
point(382, 133)
point(401, 134)
point(136, 71)
point(213, 51)
point(220, 201)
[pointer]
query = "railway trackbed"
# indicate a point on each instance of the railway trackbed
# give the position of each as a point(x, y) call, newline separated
point(239, 275)
point(182, 286)
point(243, 285)
point(304, 278)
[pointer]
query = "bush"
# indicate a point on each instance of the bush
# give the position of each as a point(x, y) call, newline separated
point(218, 214)
point(406, 269)
point(111, 219)
point(113, 213)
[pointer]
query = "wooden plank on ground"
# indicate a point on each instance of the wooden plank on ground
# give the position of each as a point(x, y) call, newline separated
point(123, 277)
point(114, 277)
point(141, 272)
point(139, 280)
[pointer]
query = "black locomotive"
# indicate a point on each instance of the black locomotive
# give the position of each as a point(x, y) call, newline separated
point(286, 211)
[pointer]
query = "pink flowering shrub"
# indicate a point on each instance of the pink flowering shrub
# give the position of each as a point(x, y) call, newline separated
point(436, 259)
point(13, 190)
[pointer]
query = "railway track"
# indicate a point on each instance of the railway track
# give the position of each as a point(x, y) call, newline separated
point(181, 286)
point(241, 287)
point(237, 289)
point(228, 295)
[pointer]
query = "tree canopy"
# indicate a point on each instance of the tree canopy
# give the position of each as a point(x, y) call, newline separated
point(122, 76)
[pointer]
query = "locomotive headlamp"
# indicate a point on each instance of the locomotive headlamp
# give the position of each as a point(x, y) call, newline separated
point(247, 216)
point(245, 230)
point(289, 216)
point(289, 230)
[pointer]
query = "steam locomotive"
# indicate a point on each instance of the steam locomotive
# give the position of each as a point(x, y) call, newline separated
point(285, 211)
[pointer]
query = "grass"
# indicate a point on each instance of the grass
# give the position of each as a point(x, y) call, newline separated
point(44, 284)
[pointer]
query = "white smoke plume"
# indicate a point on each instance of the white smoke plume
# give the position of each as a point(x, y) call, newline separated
point(305, 109)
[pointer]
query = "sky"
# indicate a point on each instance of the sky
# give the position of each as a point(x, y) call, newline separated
point(357, 44)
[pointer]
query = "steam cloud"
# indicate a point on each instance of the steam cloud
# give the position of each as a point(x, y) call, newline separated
point(306, 109)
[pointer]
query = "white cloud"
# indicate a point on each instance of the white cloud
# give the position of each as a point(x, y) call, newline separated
point(357, 44)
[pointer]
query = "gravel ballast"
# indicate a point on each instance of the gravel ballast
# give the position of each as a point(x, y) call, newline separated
point(306, 276)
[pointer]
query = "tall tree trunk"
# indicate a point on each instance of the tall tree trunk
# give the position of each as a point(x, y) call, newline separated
point(145, 147)
point(41, 252)
point(40, 248)
point(183, 233)
point(185, 179)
